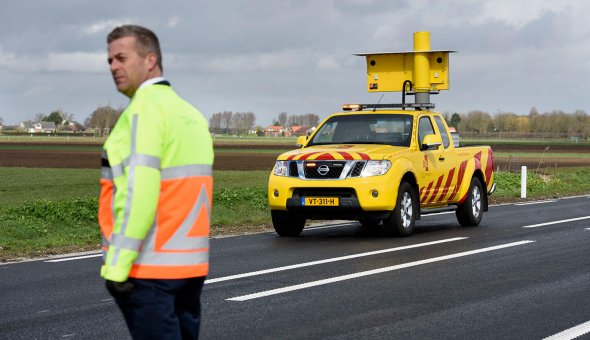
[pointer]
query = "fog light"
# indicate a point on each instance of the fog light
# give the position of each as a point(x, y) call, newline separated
point(275, 193)
point(375, 193)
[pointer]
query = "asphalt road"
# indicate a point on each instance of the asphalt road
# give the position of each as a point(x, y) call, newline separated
point(524, 273)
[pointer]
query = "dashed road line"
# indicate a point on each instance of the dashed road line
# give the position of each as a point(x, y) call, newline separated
point(535, 202)
point(557, 222)
point(372, 272)
point(334, 259)
point(74, 258)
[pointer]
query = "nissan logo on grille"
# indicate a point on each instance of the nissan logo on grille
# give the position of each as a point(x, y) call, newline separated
point(323, 170)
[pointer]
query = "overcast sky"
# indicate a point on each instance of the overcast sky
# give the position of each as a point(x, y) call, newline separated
point(269, 56)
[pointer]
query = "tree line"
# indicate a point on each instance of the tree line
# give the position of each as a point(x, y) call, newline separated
point(554, 124)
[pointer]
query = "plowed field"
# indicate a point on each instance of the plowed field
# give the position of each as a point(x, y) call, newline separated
point(231, 157)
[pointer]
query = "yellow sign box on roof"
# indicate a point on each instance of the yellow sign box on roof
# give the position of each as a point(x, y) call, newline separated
point(388, 71)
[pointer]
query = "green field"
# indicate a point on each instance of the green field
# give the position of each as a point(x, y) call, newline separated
point(50, 211)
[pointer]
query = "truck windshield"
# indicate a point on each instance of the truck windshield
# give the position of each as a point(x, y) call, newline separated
point(388, 129)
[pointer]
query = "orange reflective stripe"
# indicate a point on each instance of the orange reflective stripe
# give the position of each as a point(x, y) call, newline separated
point(176, 272)
point(106, 218)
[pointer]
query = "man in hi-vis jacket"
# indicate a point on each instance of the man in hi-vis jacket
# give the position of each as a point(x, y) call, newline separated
point(155, 200)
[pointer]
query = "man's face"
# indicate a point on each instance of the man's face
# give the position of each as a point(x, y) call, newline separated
point(128, 68)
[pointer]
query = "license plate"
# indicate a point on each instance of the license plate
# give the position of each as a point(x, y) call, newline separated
point(320, 201)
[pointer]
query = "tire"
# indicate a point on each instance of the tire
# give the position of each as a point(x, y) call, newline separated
point(286, 224)
point(469, 213)
point(403, 218)
point(369, 222)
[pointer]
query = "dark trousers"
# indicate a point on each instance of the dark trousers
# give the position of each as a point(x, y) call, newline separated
point(162, 309)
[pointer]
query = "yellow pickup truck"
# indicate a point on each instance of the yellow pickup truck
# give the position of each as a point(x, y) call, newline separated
point(379, 166)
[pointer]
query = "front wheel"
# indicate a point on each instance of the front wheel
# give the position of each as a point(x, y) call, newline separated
point(402, 220)
point(469, 213)
point(287, 224)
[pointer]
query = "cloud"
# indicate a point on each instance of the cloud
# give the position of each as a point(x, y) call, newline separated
point(104, 25)
point(76, 62)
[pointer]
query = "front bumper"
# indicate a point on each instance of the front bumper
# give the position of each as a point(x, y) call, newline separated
point(356, 196)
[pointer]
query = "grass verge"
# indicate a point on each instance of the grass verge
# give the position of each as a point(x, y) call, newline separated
point(53, 211)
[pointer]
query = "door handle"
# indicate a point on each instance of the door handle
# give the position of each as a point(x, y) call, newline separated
point(441, 158)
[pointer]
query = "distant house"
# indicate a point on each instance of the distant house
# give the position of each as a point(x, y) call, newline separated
point(45, 127)
point(27, 126)
point(274, 131)
point(41, 127)
point(298, 130)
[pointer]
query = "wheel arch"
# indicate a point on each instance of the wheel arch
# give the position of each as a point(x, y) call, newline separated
point(411, 179)
point(484, 193)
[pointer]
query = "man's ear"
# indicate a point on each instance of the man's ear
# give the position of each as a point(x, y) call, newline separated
point(152, 61)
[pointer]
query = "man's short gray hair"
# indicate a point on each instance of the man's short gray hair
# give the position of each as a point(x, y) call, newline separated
point(146, 40)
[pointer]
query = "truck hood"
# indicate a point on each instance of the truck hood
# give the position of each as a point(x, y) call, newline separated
point(344, 152)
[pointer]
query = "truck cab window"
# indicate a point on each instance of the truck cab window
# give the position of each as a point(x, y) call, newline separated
point(443, 131)
point(424, 128)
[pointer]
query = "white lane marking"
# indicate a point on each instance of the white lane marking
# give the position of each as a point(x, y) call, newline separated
point(68, 335)
point(536, 202)
point(74, 258)
point(557, 222)
point(334, 259)
point(571, 333)
point(372, 272)
point(44, 311)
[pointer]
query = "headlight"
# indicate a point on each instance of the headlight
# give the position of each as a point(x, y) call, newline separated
point(376, 168)
point(281, 168)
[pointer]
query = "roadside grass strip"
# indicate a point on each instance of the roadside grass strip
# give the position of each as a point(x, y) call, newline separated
point(373, 272)
point(571, 333)
point(334, 259)
point(557, 222)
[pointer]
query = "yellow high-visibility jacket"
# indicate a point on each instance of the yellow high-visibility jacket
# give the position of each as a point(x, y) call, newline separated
point(156, 189)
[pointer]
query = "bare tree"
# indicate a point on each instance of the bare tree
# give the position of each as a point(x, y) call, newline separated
point(226, 119)
point(283, 118)
point(103, 119)
point(249, 120)
point(310, 120)
point(215, 122)
point(39, 117)
point(476, 121)
point(242, 122)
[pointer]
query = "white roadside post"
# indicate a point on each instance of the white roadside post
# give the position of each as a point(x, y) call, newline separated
point(523, 182)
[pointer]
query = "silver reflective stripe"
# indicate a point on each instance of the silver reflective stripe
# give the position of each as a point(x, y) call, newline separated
point(172, 259)
point(133, 160)
point(180, 240)
point(125, 242)
point(130, 181)
point(117, 170)
point(106, 173)
point(187, 171)
point(144, 160)
point(104, 241)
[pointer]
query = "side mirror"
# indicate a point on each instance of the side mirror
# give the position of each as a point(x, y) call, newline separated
point(431, 142)
point(301, 140)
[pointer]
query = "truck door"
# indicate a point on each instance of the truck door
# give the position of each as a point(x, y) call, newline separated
point(447, 162)
point(436, 165)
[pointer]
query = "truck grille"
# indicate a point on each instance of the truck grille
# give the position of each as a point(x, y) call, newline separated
point(326, 169)
point(323, 170)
